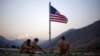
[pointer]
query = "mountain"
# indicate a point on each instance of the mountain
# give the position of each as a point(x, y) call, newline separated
point(9, 43)
point(86, 37)
point(3, 41)
point(16, 42)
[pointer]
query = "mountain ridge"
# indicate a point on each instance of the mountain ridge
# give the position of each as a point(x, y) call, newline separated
point(82, 37)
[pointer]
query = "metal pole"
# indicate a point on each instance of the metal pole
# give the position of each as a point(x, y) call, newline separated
point(49, 28)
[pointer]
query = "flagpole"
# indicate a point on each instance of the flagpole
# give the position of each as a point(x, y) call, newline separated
point(49, 29)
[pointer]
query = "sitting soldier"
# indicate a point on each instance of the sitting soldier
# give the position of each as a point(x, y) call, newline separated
point(35, 46)
point(25, 47)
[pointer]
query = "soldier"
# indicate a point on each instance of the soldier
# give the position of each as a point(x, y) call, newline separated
point(35, 46)
point(25, 47)
point(63, 46)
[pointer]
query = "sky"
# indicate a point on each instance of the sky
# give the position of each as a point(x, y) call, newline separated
point(22, 19)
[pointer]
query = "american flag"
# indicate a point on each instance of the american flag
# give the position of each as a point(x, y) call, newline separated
point(56, 16)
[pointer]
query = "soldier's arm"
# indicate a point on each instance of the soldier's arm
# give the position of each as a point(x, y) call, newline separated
point(39, 48)
point(27, 47)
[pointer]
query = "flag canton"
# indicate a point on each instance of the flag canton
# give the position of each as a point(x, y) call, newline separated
point(53, 10)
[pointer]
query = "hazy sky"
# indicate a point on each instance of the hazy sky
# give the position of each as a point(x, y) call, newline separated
point(30, 18)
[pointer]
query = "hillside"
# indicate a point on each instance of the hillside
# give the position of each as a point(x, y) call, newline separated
point(8, 43)
point(86, 37)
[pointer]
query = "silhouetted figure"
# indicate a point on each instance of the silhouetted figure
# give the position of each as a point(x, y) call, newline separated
point(35, 47)
point(63, 46)
point(25, 47)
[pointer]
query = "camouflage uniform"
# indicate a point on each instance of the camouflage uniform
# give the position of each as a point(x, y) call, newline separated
point(63, 47)
point(35, 47)
point(24, 48)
